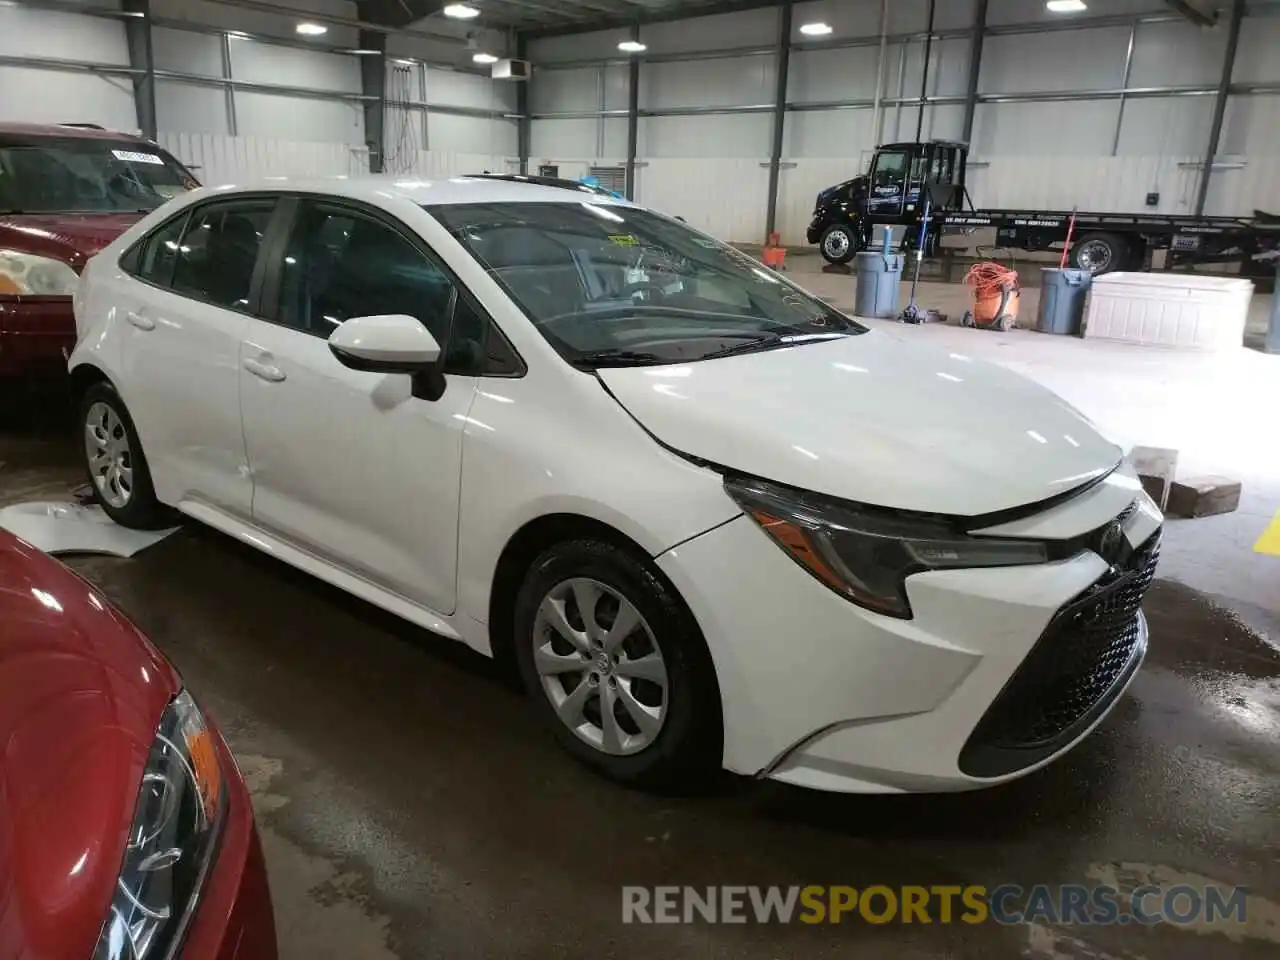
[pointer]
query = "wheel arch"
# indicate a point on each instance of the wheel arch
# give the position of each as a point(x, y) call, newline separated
point(85, 375)
point(524, 546)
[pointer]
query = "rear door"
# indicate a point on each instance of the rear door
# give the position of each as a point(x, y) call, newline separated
point(361, 469)
point(186, 308)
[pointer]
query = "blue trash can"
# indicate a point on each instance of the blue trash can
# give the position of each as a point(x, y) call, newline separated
point(1062, 296)
point(878, 277)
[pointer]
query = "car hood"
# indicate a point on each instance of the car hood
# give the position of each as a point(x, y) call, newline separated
point(81, 694)
point(872, 419)
point(70, 237)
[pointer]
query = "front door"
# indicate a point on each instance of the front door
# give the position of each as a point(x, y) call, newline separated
point(187, 303)
point(888, 185)
point(360, 469)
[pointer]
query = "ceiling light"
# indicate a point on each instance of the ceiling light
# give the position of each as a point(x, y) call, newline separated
point(632, 46)
point(311, 29)
point(364, 53)
point(238, 34)
point(1065, 6)
point(816, 29)
point(403, 63)
point(460, 11)
point(484, 58)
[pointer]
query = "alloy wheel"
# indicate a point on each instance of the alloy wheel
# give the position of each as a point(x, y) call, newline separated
point(837, 244)
point(106, 444)
point(1094, 256)
point(600, 666)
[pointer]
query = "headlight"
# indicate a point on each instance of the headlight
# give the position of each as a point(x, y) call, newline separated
point(866, 554)
point(171, 841)
point(28, 275)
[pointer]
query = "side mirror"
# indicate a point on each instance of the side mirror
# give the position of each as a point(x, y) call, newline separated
point(393, 343)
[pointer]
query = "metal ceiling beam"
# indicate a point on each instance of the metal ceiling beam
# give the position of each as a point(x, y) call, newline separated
point(1199, 12)
point(668, 14)
point(291, 13)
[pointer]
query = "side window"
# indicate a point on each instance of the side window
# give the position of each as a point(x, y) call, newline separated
point(157, 254)
point(218, 251)
point(891, 167)
point(340, 264)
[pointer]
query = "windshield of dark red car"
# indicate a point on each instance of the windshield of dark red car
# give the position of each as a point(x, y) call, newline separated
point(84, 175)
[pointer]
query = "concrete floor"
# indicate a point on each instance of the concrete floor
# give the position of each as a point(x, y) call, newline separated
point(410, 809)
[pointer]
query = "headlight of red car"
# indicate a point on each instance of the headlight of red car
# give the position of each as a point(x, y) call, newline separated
point(171, 841)
point(26, 274)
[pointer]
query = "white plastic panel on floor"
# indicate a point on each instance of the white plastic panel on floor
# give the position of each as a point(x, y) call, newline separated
point(1169, 309)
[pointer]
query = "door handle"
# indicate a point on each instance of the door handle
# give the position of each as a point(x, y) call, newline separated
point(264, 371)
point(139, 321)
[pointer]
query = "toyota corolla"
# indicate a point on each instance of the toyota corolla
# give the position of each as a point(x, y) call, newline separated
point(712, 521)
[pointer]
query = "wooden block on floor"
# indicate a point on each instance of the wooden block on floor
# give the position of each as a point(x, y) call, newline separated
point(1204, 496)
point(1156, 467)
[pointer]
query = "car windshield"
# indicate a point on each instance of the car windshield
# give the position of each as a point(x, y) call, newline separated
point(86, 175)
point(615, 285)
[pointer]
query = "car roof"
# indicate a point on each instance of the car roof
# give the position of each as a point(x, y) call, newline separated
point(61, 130)
point(451, 190)
point(563, 182)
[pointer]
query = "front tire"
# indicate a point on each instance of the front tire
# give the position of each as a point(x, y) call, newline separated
point(838, 243)
point(617, 668)
point(114, 461)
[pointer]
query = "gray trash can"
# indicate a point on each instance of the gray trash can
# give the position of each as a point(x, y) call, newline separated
point(1062, 294)
point(878, 277)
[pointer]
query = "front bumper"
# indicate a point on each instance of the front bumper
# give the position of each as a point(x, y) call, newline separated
point(819, 692)
point(37, 334)
point(234, 919)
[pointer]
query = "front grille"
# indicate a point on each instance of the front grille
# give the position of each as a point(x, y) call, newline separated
point(1070, 676)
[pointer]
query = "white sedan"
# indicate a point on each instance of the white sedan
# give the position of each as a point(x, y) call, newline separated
point(711, 521)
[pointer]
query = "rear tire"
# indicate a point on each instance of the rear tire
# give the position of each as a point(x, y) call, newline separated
point(838, 244)
point(114, 462)
point(1099, 253)
point(655, 677)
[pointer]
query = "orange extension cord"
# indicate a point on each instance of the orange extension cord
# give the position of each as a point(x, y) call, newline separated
point(995, 292)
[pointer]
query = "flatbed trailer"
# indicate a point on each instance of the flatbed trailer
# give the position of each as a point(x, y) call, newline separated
point(893, 193)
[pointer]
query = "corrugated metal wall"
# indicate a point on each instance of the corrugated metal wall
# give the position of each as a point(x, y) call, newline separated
point(1093, 154)
point(223, 159)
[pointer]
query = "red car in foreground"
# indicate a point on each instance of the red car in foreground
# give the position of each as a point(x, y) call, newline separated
point(125, 828)
point(65, 193)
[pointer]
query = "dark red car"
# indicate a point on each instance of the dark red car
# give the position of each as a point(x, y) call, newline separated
point(65, 193)
point(125, 828)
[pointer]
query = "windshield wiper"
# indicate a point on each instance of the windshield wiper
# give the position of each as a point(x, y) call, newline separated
point(770, 340)
point(594, 359)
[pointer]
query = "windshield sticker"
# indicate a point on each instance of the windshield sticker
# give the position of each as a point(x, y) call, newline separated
point(128, 156)
point(624, 240)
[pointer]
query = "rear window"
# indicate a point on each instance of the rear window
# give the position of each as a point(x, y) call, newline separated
point(86, 175)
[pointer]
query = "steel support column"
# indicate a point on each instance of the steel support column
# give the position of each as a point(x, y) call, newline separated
point(633, 117)
point(779, 115)
point(975, 68)
point(924, 73)
point(1220, 104)
point(373, 84)
point(137, 31)
point(524, 125)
